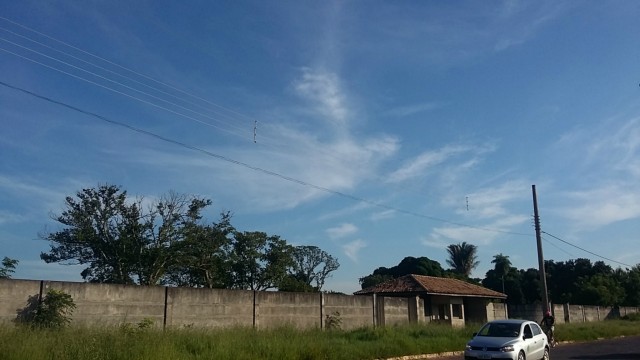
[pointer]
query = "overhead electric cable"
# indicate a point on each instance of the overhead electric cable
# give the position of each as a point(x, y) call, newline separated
point(263, 139)
point(217, 112)
point(120, 92)
point(114, 82)
point(557, 247)
point(587, 251)
point(251, 167)
point(125, 68)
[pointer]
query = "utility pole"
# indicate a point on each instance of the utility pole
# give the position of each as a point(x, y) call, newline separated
point(543, 274)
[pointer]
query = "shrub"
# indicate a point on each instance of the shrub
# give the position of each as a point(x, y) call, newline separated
point(632, 317)
point(54, 311)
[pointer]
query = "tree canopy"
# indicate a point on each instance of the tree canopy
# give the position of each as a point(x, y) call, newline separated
point(8, 267)
point(463, 258)
point(168, 242)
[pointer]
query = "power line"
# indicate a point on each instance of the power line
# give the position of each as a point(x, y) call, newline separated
point(120, 92)
point(263, 139)
point(587, 251)
point(125, 68)
point(217, 112)
point(255, 168)
point(557, 247)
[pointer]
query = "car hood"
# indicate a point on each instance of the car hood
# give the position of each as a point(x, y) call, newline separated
point(488, 341)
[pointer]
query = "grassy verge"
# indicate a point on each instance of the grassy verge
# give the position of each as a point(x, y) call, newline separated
point(126, 343)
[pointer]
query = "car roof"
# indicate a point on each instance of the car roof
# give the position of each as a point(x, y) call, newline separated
point(510, 321)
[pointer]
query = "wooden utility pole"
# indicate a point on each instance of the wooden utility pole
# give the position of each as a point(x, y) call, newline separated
point(543, 274)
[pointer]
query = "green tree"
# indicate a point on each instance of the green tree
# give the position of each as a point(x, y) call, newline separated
point(630, 280)
point(119, 241)
point(502, 264)
point(312, 266)
point(54, 311)
point(259, 261)
point(408, 265)
point(8, 267)
point(463, 258)
point(203, 258)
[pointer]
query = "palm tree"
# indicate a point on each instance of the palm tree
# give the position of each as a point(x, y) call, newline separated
point(463, 258)
point(502, 264)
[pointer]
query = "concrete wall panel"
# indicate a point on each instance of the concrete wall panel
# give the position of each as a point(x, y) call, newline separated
point(301, 310)
point(16, 296)
point(396, 311)
point(355, 311)
point(112, 304)
point(591, 313)
point(209, 307)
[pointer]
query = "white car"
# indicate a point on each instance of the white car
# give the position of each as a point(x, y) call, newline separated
point(508, 339)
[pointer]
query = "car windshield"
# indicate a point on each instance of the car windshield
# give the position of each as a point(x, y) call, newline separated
point(500, 330)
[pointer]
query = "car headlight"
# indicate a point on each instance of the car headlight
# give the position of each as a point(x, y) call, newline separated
point(507, 348)
point(468, 347)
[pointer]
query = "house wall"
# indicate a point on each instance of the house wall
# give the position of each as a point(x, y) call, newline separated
point(481, 310)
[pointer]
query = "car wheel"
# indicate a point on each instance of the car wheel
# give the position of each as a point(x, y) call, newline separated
point(546, 354)
point(521, 356)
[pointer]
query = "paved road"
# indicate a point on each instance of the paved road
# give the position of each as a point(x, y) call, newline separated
point(625, 348)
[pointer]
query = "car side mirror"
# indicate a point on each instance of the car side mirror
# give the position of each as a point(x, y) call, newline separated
point(474, 334)
point(528, 336)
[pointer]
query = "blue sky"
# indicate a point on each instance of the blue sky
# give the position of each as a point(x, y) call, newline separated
point(407, 126)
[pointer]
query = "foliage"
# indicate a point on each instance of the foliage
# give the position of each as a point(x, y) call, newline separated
point(8, 267)
point(169, 243)
point(259, 261)
point(203, 258)
point(408, 265)
point(20, 343)
point(311, 267)
point(54, 311)
point(333, 321)
point(463, 258)
point(143, 325)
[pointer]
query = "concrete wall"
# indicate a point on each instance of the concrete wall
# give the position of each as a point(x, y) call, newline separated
point(209, 307)
point(301, 310)
point(354, 311)
point(16, 296)
point(528, 311)
point(396, 310)
point(111, 304)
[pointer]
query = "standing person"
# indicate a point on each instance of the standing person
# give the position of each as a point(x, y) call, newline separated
point(547, 324)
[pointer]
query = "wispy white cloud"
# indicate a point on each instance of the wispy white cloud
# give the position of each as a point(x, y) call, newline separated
point(408, 110)
point(524, 20)
point(352, 249)
point(485, 234)
point(428, 160)
point(341, 231)
point(382, 215)
point(597, 207)
point(612, 151)
point(491, 202)
point(324, 90)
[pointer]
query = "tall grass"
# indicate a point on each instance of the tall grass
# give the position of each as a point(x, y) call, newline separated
point(127, 343)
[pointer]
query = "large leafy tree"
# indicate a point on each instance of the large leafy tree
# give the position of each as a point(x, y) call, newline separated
point(8, 267)
point(203, 258)
point(311, 267)
point(117, 239)
point(259, 261)
point(408, 265)
point(463, 258)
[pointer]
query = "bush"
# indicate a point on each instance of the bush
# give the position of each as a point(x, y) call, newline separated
point(54, 311)
point(632, 317)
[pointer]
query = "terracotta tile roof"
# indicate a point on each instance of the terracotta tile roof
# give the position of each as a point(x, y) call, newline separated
point(431, 285)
